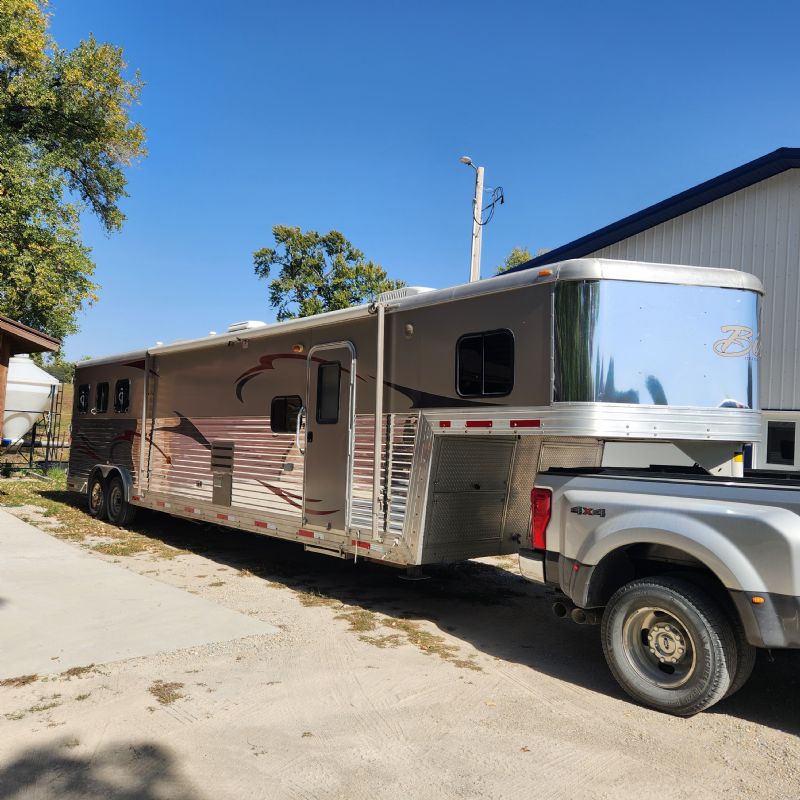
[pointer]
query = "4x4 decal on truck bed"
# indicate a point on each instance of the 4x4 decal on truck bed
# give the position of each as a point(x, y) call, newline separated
point(585, 511)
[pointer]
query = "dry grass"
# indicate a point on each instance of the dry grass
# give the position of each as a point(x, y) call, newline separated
point(21, 680)
point(19, 495)
point(166, 693)
point(316, 599)
point(76, 672)
point(360, 620)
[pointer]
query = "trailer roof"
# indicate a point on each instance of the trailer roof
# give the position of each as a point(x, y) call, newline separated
point(572, 270)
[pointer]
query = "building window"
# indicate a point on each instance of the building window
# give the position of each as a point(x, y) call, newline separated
point(485, 364)
point(83, 398)
point(283, 413)
point(780, 443)
point(122, 396)
point(328, 378)
point(101, 398)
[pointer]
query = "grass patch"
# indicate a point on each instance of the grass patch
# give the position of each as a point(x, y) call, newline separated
point(21, 680)
point(217, 583)
point(310, 599)
point(430, 643)
point(51, 500)
point(360, 620)
point(82, 697)
point(70, 743)
point(76, 672)
point(166, 693)
point(391, 640)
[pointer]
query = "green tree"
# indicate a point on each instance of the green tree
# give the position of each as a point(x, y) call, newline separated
point(65, 137)
point(317, 272)
point(519, 255)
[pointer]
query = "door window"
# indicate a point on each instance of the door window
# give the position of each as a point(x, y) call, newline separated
point(328, 379)
point(283, 413)
point(101, 398)
point(122, 396)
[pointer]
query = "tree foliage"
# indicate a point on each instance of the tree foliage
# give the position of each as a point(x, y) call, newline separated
point(519, 255)
point(317, 272)
point(65, 137)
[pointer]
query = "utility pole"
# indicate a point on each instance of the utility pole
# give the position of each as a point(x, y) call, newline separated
point(477, 227)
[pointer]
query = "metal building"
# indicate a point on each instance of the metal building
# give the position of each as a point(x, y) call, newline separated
point(748, 218)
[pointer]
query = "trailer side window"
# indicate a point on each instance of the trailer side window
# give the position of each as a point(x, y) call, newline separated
point(83, 397)
point(122, 396)
point(283, 413)
point(780, 443)
point(328, 377)
point(485, 363)
point(101, 398)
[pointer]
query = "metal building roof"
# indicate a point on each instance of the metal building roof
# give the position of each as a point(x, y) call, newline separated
point(779, 160)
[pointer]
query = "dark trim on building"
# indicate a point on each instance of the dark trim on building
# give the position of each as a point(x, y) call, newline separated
point(767, 166)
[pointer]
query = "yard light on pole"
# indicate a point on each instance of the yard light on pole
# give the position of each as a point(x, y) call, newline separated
point(477, 225)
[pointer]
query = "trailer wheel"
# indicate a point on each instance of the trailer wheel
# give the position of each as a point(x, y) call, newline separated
point(96, 493)
point(669, 645)
point(120, 511)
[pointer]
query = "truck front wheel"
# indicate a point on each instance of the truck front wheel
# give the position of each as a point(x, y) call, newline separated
point(669, 645)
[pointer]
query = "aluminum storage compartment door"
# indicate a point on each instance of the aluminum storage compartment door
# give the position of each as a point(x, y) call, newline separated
point(330, 404)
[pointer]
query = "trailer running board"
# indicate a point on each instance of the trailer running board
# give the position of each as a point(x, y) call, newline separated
point(327, 551)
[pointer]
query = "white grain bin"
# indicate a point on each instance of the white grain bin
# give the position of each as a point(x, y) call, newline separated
point(27, 396)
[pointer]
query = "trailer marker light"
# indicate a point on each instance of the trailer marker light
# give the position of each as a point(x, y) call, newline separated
point(359, 543)
point(757, 600)
point(160, 503)
point(297, 348)
point(308, 534)
point(444, 423)
point(576, 567)
point(478, 423)
point(222, 516)
point(135, 497)
point(545, 273)
point(259, 524)
point(525, 423)
point(188, 509)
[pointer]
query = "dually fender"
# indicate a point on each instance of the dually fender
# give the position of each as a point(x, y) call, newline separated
point(695, 537)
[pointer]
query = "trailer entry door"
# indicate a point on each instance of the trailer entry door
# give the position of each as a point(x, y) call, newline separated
point(330, 423)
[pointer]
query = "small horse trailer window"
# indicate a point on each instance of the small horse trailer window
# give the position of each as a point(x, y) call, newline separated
point(283, 413)
point(83, 398)
point(328, 376)
point(122, 396)
point(101, 398)
point(485, 364)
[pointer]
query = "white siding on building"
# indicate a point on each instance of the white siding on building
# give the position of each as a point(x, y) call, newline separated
point(756, 229)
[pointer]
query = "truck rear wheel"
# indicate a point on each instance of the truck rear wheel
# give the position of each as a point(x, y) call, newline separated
point(669, 646)
point(120, 511)
point(96, 494)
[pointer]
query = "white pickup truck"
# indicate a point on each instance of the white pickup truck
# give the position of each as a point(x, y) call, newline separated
point(687, 573)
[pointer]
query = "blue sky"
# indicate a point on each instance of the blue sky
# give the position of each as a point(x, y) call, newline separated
point(352, 115)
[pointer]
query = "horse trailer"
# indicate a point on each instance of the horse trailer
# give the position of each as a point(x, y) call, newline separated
point(410, 430)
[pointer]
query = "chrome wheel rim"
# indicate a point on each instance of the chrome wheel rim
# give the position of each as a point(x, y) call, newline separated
point(659, 647)
point(96, 495)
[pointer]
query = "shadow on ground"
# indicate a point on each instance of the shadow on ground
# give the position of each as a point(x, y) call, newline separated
point(492, 609)
point(128, 771)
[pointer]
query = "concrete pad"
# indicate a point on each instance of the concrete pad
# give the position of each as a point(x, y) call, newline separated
point(61, 607)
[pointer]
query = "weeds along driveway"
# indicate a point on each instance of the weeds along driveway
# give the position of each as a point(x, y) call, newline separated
point(463, 685)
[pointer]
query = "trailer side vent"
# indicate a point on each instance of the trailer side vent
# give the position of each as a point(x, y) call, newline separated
point(222, 472)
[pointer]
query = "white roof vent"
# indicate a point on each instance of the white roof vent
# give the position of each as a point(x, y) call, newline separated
point(399, 294)
point(245, 325)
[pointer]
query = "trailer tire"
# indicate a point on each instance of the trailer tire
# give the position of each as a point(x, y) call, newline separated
point(119, 511)
point(96, 496)
point(669, 645)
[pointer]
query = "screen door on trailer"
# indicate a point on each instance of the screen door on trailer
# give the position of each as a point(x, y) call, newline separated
point(329, 434)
